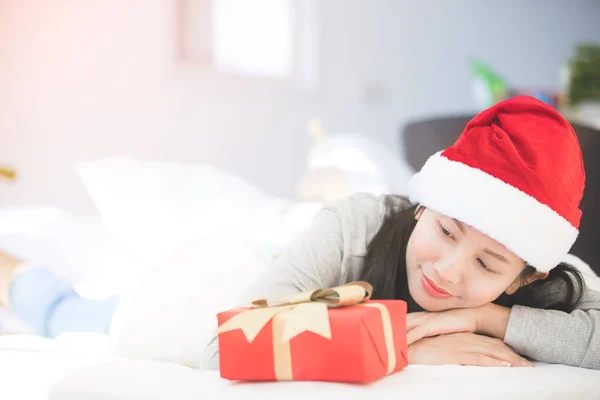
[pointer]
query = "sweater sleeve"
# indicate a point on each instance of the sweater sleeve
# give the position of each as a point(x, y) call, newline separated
point(558, 337)
point(312, 260)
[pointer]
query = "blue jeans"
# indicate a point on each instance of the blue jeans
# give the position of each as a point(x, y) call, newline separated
point(50, 305)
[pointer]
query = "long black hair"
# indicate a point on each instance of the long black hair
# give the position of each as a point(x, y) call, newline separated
point(385, 269)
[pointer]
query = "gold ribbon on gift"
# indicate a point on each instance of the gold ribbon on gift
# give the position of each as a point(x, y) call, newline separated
point(387, 334)
point(301, 313)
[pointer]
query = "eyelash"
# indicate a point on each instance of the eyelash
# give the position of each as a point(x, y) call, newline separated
point(484, 265)
point(446, 232)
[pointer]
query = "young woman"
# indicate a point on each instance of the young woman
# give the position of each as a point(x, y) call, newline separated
point(475, 250)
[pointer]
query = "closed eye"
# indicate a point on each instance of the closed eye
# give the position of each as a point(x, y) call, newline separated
point(484, 265)
point(446, 232)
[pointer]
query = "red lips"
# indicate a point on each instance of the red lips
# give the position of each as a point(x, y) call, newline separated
point(434, 289)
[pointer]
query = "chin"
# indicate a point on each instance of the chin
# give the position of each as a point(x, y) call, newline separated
point(432, 305)
point(426, 301)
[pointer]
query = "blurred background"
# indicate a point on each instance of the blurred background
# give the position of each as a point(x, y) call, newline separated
point(198, 136)
point(238, 85)
point(142, 124)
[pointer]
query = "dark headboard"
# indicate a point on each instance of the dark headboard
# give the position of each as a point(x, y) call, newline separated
point(420, 139)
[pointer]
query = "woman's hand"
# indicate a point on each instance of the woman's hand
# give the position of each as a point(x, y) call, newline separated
point(425, 324)
point(489, 319)
point(465, 349)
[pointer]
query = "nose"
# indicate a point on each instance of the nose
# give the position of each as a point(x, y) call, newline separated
point(450, 267)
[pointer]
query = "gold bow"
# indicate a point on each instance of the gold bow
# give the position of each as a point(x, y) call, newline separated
point(300, 313)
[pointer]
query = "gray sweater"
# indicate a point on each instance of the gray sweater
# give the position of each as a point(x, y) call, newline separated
point(332, 252)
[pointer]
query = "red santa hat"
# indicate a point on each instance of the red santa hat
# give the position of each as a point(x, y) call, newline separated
point(515, 174)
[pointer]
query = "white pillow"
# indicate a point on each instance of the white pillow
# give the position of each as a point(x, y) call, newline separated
point(199, 231)
point(154, 207)
point(171, 314)
point(78, 248)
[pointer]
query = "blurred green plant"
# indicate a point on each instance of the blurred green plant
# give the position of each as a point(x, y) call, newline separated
point(584, 74)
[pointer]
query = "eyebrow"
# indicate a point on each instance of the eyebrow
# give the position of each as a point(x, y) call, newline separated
point(496, 255)
point(460, 225)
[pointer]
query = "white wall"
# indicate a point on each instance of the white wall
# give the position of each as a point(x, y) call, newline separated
point(84, 79)
point(418, 51)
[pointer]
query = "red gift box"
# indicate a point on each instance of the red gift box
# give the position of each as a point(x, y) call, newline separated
point(311, 342)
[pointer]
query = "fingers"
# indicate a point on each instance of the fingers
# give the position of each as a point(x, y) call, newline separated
point(482, 360)
point(415, 319)
point(415, 326)
point(417, 333)
point(426, 324)
point(496, 348)
point(513, 358)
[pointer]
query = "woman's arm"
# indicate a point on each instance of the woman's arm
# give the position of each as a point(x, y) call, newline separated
point(558, 337)
point(543, 335)
point(310, 261)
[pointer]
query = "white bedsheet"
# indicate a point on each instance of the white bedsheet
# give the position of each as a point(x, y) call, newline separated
point(28, 375)
point(34, 375)
point(130, 380)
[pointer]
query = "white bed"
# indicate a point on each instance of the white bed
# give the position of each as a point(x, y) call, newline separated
point(28, 375)
point(134, 380)
point(53, 374)
point(85, 367)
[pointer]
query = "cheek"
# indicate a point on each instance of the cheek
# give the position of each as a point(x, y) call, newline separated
point(483, 291)
point(422, 246)
point(422, 250)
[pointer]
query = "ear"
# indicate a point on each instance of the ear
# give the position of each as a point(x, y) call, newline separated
point(419, 212)
point(529, 280)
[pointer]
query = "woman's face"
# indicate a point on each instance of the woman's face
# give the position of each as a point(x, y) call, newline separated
point(452, 265)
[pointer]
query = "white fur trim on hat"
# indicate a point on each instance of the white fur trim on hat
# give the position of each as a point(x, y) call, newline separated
point(530, 229)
